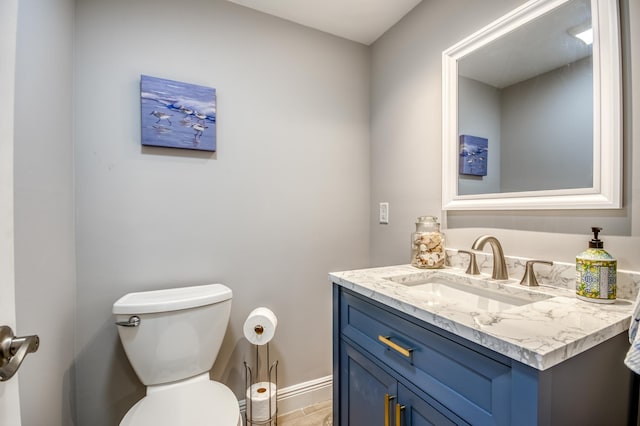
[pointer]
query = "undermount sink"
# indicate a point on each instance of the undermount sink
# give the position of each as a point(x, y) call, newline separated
point(441, 288)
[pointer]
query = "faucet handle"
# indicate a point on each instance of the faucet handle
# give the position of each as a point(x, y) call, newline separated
point(529, 278)
point(472, 269)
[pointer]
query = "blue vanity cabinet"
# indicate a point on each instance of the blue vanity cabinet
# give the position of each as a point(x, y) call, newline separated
point(375, 397)
point(368, 388)
point(385, 360)
point(414, 409)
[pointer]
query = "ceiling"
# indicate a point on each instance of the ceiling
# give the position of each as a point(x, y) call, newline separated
point(538, 47)
point(362, 21)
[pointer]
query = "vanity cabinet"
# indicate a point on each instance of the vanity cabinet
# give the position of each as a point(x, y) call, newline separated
point(395, 370)
point(377, 397)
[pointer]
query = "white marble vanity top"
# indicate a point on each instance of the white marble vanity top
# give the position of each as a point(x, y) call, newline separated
point(540, 334)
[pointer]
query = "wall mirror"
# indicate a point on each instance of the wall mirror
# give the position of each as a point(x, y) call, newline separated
point(532, 113)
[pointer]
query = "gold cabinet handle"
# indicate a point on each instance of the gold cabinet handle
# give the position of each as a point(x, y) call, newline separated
point(387, 399)
point(399, 409)
point(404, 351)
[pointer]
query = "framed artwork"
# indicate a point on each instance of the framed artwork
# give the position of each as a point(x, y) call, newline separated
point(177, 115)
point(473, 155)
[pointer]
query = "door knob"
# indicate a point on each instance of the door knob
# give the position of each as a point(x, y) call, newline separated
point(13, 350)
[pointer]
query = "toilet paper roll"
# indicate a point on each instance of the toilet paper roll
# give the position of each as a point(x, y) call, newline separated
point(258, 397)
point(260, 326)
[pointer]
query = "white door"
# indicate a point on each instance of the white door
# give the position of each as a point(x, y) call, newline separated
point(9, 399)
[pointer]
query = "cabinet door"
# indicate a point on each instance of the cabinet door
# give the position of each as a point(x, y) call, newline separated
point(417, 411)
point(363, 386)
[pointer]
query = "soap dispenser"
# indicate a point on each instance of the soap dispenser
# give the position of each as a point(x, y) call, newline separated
point(596, 272)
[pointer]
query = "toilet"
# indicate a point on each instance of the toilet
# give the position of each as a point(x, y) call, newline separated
point(172, 338)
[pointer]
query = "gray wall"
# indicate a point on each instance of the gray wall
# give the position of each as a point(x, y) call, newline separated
point(282, 202)
point(44, 235)
point(547, 130)
point(406, 115)
point(479, 114)
point(406, 143)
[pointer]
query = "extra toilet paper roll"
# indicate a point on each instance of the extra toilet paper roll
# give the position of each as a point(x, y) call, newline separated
point(260, 326)
point(258, 397)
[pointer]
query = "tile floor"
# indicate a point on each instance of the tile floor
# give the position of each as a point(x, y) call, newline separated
point(320, 414)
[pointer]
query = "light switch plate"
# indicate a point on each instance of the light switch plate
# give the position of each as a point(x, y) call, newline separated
point(384, 213)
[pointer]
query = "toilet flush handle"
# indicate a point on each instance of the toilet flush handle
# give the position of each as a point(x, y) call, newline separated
point(133, 321)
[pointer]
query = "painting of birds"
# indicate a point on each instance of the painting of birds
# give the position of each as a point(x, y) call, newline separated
point(193, 106)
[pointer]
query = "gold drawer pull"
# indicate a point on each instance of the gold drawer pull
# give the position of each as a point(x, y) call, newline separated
point(387, 399)
point(399, 410)
point(404, 351)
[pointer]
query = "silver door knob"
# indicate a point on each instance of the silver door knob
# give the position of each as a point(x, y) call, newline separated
point(13, 350)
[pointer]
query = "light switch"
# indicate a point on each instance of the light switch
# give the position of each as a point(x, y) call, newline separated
point(384, 213)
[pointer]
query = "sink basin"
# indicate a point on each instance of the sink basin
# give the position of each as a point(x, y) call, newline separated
point(439, 288)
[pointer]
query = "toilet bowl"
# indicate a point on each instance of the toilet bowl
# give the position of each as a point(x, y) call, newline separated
point(172, 338)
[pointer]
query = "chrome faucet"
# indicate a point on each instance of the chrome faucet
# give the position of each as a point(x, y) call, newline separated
point(499, 265)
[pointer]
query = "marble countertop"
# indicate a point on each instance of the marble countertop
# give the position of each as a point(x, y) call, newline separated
point(553, 327)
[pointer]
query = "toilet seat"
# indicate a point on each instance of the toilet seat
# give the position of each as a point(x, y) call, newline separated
point(195, 402)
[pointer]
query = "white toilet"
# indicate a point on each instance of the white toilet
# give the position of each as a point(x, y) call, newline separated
point(172, 338)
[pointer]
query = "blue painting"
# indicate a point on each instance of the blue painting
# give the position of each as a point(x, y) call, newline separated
point(177, 115)
point(473, 155)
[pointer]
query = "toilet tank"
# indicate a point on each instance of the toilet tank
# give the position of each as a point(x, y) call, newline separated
point(179, 333)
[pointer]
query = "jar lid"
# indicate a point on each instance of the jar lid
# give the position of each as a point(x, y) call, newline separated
point(428, 219)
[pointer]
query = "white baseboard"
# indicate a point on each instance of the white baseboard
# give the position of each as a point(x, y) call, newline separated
point(301, 395)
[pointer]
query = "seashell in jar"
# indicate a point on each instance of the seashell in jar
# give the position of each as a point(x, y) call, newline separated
point(435, 241)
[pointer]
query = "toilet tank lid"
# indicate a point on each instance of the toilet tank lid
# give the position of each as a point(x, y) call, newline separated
point(173, 299)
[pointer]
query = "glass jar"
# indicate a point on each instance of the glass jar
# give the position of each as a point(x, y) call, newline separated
point(427, 244)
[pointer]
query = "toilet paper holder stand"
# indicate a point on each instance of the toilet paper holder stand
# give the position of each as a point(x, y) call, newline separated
point(253, 376)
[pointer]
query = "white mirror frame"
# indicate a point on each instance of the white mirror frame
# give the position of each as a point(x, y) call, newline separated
point(606, 192)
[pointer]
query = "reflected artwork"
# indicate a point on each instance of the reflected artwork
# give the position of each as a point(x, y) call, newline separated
point(473, 155)
point(177, 115)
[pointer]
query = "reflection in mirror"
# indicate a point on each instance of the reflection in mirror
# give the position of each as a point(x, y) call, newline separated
point(522, 102)
point(531, 95)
